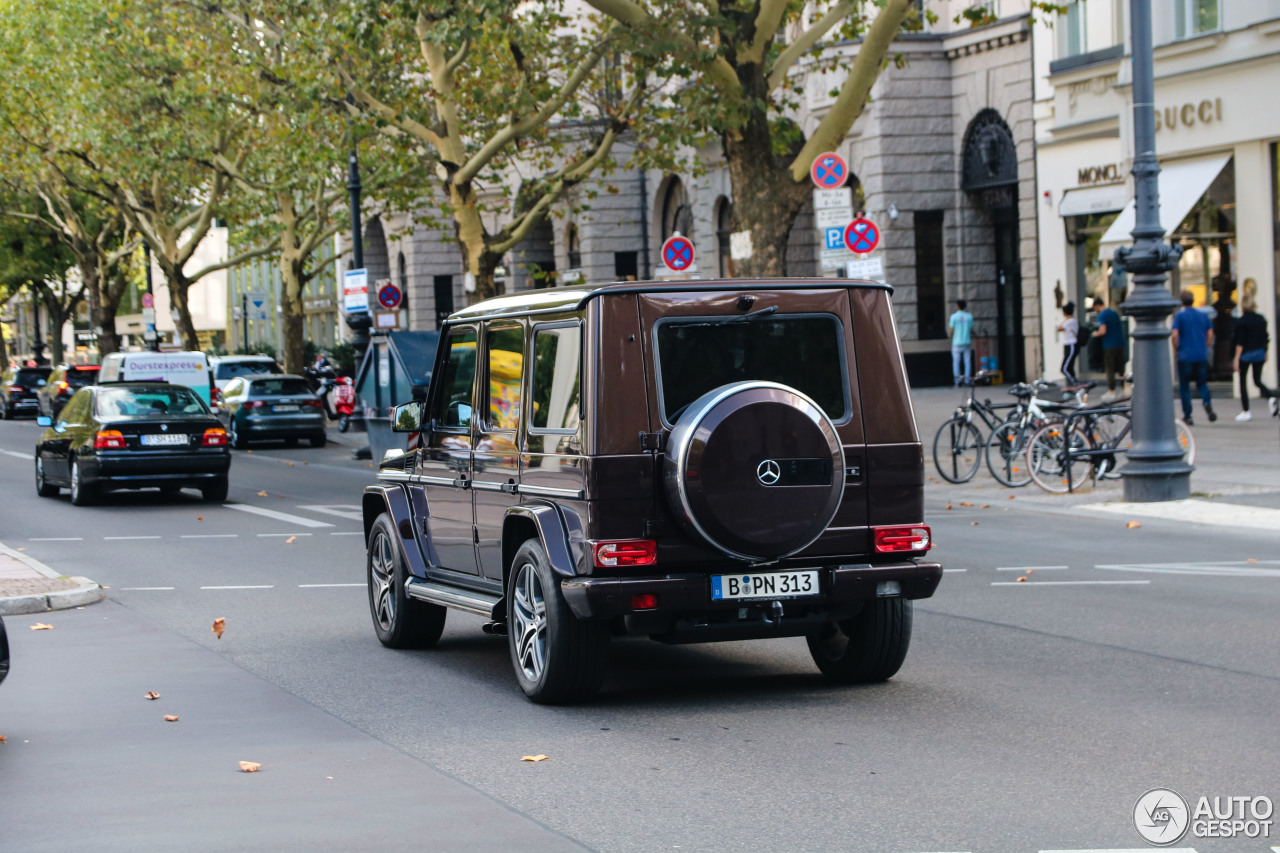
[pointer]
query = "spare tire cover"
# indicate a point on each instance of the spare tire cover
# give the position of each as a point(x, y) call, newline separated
point(755, 470)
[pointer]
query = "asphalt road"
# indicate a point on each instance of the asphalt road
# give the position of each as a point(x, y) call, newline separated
point(1030, 715)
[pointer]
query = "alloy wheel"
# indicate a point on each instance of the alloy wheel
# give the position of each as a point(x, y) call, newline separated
point(382, 576)
point(530, 612)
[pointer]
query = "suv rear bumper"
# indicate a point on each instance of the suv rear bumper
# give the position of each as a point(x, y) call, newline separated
point(595, 598)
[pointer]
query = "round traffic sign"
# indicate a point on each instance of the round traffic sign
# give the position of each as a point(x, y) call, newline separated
point(148, 301)
point(677, 253)
point(829, 171)
point(861, 236)
point(389, 296)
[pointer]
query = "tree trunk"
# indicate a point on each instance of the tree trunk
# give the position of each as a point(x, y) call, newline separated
point(473, 242)
point(4, 349)
point(766, 202)
point(179, 288)
point(292, 305)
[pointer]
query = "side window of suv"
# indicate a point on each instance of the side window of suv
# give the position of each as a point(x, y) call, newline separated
point(451, 407)
point(505, 345)
point(556, 386)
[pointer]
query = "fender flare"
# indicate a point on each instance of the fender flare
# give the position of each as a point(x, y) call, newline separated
point(553, 530)
point(393, 500)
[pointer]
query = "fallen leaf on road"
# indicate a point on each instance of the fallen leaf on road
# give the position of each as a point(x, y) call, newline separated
point(1013, 497)
point(948, 506)
point(199, 518)
point(2, 739)
point(249, 451)
point(40, 626)
point(1251, 560)
point(1021, 579)
point(535, 758)
point(170, 718)
point(1031, 571)
point(1133, 524)
point(22, 549)
point(250, 767)
point(290, 464)
point(973, 524)
point(308, 463)
point(966, 503)
point(985, 506)
point(263, 494)
point(330, 778)
point(219, 625)
point(291, 540)
point(279, 496)
point(151, 694)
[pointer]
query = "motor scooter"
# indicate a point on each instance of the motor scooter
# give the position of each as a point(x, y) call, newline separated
point(337, 395)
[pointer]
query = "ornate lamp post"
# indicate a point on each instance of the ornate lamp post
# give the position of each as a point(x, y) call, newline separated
point(1156, 469)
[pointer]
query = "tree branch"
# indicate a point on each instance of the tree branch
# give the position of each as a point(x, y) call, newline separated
point(248, 255)
point(766, 26)
point(367, 101)
point(630, 14)
point(802, 45)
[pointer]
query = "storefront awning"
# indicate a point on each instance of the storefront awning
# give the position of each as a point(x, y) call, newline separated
point(1181, 185)
point(1086, 200)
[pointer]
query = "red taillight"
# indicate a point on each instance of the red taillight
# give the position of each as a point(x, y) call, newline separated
point(313, 403)
point(253, 404)
point(914, 537)
point(16, 388)
point(215, 396)
point(109, 439)
point(630, 552)
point(214, 437)
point(644, 601)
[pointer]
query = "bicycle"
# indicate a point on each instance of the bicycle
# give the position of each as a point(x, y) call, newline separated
point(964, 448)
point(1039, 403)
point(1087, 445)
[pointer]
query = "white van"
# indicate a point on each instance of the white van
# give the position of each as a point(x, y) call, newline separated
point(181, 368)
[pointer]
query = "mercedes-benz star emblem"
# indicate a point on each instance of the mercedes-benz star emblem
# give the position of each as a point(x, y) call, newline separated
point(164, 427)
point(768, 472)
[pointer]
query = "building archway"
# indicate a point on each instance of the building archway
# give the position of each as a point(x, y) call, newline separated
point(674, 211)
point(724, 229)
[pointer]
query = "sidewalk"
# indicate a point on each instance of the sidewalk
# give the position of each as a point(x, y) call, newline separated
point(29, 586)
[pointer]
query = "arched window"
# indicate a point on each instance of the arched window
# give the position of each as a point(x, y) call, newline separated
point(724, 226)
point(573, 246)
point(990, 161)
point(677, 215)
point(403, 269)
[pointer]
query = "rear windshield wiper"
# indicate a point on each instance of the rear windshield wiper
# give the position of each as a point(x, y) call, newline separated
point(724, 321)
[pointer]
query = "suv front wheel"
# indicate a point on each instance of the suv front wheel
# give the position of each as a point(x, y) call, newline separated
point(399, 621)
point(557, 657)
point(867, 647)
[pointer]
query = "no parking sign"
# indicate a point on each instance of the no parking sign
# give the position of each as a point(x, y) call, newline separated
point(861, 236)
point(678, 253)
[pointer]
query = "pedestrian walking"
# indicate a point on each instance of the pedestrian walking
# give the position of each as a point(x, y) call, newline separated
point(961, 325)
point(1070, 328)
point(1192, 338)
point(1111, 330)
point(1251, 340)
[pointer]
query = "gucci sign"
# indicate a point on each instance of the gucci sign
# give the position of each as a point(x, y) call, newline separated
point(1189, 115)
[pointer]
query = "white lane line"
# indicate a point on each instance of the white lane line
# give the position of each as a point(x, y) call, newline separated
point(1229, 569)
point(209, 536)
point(346, 532)
point(1025, 568)
point(143, 588)
point(268, 586)
point(116, 538)
point(278, 516)
point(59, 539)
point(944, 571)
point(271, 535)
point(1067, 583)
point(18, 455)
point(341, 510)
point(325, 585)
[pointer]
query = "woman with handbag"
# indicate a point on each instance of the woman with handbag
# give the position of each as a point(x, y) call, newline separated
point(1251, 340)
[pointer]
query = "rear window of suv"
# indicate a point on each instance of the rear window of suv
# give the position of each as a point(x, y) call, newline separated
point(78, 377)
point(698, 354)
point(32, 378)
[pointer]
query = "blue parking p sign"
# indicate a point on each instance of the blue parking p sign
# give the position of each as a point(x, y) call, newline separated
point(834, 238)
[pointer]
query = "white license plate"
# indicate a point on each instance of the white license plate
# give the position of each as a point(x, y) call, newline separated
point(164, 438)
point(767, 585)
point(285, 408)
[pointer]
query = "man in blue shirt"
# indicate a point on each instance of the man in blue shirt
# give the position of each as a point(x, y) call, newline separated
point(961, 323)
point(1111, 330)
point(1192, 338)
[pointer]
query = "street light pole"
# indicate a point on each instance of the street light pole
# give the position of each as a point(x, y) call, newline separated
point(153, 342)
point(358, 321)
point(1156, 469)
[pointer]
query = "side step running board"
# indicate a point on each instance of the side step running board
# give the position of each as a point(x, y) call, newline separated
point(479, 603)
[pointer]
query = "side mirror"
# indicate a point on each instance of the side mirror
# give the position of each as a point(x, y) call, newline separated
point(44, 421)
point(407, 417)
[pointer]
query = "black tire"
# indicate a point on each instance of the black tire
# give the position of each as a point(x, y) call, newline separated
point(958, 450)
point(44, 488)
point(557, 657)
point(343, 423)
point(238, 441)
point(82, 494)
point(215, 491)
point(399, 621)
point(319, 440)
point(291, 442)
point(865, 648)
point(170, 491)
point(1007, 454)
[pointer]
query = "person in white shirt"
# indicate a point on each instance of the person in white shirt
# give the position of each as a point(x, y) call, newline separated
point(1070, 328)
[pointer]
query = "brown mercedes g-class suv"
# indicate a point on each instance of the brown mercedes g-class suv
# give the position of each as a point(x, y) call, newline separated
point(692, 461)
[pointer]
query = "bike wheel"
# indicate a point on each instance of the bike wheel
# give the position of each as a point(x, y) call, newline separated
point(1186, 441)
point(1007, 454)
point(1049, 459)
point(957, 450)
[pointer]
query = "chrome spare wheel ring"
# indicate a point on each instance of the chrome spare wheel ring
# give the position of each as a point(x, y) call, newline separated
point(529, 610)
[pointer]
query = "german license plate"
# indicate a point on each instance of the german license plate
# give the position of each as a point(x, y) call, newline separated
point(285, 408)
point(164, 438)
point(767, 585)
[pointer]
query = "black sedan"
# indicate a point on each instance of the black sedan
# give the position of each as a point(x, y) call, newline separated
point(18, 389)
point(62, 383)
point(270, 406)
point(133, 435)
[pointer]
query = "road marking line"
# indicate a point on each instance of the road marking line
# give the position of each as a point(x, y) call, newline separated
point(341, 510)
point(17, 455)
point(143, 588)
point(944, 571)
point(209, 536)
point(1226, 569)
point(278, 516)
point(268, 586)
point(114, 538)
point(1066, 583)
point(1025, 568)
point(1129, 850)
point(59, 539)
point(268, 535)
point(346, 532)
point(1258, 519)
point(325, 585)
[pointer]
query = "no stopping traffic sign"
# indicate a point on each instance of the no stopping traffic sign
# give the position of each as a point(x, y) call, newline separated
point(861, 236)
point(829, 171)
point(678, 253)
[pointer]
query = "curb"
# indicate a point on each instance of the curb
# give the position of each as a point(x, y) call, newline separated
point(86, 591)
